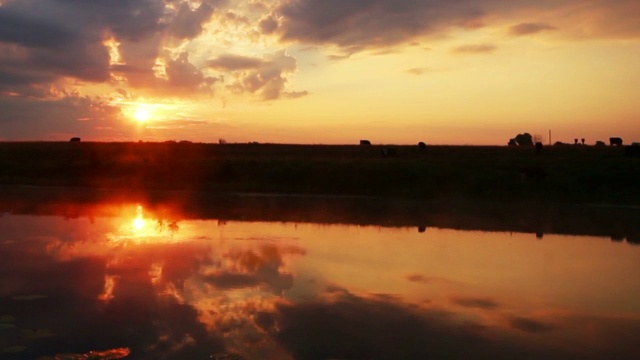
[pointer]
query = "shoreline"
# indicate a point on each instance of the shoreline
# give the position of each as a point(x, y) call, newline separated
point(538, 218)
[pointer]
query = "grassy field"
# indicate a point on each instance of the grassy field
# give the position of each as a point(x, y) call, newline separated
point(578, 174)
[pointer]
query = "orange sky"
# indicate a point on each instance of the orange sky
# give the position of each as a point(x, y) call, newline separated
point(319, 71)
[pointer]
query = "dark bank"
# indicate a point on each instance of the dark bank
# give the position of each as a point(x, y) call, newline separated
point(567, 174)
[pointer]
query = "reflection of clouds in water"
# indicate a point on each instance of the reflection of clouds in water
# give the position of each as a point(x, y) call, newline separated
point(190, 299)
point(419, 278)
point(475, 302)
point(345, 325)
point(265, 266)
point(136, 316)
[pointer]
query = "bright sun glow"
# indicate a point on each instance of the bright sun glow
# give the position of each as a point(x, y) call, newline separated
point(142, 113)
point(139, 222)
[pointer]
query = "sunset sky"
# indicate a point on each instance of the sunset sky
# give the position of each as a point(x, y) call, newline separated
point(319, 71)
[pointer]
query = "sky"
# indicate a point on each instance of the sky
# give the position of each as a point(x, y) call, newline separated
point(467, 72)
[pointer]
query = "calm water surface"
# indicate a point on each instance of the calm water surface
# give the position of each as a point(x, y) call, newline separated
point(131, 283)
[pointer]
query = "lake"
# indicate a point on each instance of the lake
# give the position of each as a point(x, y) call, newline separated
point(153, 281)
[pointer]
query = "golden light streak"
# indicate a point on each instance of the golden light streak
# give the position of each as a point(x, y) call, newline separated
point(155, 273)
point(114, 52)
point(109, 284)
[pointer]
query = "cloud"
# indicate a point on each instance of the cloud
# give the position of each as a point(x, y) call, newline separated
point(251, 268)
point(295, 94)
point(183, 75)
point(349, 326)
point(188, 23)
point(529, 28)
point(530, 325)
point(417, 71)
point(475, 302)
point(268, 24)
point(266, 76)
point(374, 23)
point(230, 62)
point(356, 25)
point(474, 49)
point(418, 278)
point(44, 41)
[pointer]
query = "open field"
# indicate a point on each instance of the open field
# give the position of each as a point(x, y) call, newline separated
point(579, 174)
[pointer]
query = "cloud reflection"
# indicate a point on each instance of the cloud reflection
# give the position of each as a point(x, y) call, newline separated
point(247, 292)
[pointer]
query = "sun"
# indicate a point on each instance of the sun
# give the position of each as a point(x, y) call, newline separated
point(142, 113)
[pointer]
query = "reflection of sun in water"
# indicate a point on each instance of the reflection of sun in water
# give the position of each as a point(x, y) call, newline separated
point(139, 222)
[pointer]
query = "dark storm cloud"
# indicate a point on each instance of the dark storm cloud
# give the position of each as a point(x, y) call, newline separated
point(529, 28)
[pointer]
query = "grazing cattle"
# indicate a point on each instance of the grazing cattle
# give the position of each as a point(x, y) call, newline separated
point(538, 147)
point(388, 151)
point(532, 172)
point(74, 139)
point(365, 142)
point(512, 142)
point(422, 146)
point(615, 141)
point(600, 143)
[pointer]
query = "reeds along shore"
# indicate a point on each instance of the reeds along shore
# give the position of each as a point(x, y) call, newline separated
point(580, 174)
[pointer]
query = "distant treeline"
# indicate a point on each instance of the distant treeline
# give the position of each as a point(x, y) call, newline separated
point(584, 174)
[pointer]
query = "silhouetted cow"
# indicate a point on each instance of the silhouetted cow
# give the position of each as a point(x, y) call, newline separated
point(74, 139)
point(600, 143)
point(615, 141)
point(365, 142)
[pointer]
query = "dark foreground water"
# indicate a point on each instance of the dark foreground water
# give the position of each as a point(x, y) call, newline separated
point(128, 282)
